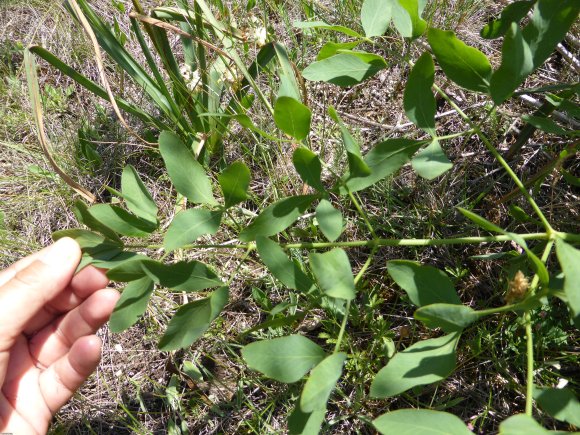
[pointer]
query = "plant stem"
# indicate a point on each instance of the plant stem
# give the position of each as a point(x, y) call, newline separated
point(530, 364)
point(342, 328)
point(499, 158)
point(569, 237)
point(454, 135)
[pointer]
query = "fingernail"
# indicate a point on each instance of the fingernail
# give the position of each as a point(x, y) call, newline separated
point(61, 252)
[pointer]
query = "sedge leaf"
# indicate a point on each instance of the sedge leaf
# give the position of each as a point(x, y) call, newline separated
point(308, 166)
point(423, 363)
point(418, 99)
point(420, 421)
point(465, 65)
point(285, 359)
point(292, 117)
point(187, 175)
point(334, 274)
point(284, 269)
point(322, 380)
point(448, 317)
point(425, 285)
point(431, 162)
point(277, 217)
point(188, 225)
point(329, 219)
point(234, 182)
point(192, 320)
point(132, 304)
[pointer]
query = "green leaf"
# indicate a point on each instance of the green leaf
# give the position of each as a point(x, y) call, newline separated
point(329, 219)
point(383, 160)
point(343, 69)
point(121, 221)
point(187, 175)
point(109, 263)
point(132, 304)
point(375, 17)
point(418, 99)
point(481, 221)
point(92, 244)
point(423, 363)
point(192, 320)
point(448, 317)
point(136, 195)
point(420, 421)
point(292, 117)
point(84, 216)
point(465, 65)
point(431, 162)
point(326, 26)
point(406, 18)
point(277, 217)
point(512, 13)
point(561, 404)
point(521, 424)
point(288, 84)
point(285, 359)
point(569, 258)
point(545, 124)
point(516, 63)
point(234, 182)
point(550, 22)
point(333, 273)
point(425, 285)
point(308, 166)
point(188, 225)
point(302, 423)
point(356, 165)
point(332, 48)
point(322, 381)
point(284, 269)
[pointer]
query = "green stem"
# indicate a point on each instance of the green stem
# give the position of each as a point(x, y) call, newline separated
point(569, 237)
point(454, 135)
point(530, 364)
point(499, 158)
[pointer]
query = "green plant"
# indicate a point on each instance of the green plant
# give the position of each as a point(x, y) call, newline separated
point(324, 278)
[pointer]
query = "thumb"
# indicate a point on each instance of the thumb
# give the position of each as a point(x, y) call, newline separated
point(32, 287)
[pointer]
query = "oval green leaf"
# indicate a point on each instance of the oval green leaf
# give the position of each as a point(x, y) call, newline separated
point(234, 182)
point(425, 285)
point(448, 317)
point(423, 363)
point(343, 69)
point(285, 359)
point(136, 195)
point(277, 217)
point(322, 380)
point(431, 162)
point(407, 19)
point(512, 13)
point(188, 225)
point(420, 421)
point(334, 274)
point(375, 16)
point(522, 424)
point(132, 304)
point(329, 219)
point(121, 221)
point(187, 175)
point(465, 65)
point(284, 269)
point(569, 258)
point(418, 99)
point(292, 117)
point(308, 166)
point(560, 403)
point(192, 320)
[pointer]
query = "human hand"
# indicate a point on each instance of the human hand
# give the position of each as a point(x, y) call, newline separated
point(48, 317)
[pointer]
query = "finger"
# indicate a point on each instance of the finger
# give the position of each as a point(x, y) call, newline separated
point(84, 284)
point(22, 297)
point(8, 273)
point(55, 340)
point(59, 382)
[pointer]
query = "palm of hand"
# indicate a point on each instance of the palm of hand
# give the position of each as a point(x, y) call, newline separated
point(47, 346)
